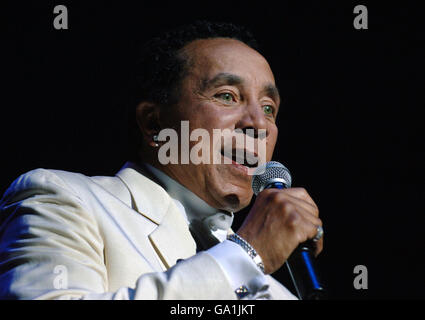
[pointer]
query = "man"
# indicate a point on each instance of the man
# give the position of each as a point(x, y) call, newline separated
point(160, 231)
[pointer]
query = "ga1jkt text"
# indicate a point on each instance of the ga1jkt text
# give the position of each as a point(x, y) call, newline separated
point(229, 309)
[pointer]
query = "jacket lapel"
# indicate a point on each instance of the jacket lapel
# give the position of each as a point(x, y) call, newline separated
point(147, 197)
point(171, 239)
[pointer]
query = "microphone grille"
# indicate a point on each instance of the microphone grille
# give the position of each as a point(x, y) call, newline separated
point(269, 172)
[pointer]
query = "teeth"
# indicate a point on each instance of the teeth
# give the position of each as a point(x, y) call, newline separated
point(242, 157)
point(251, 159)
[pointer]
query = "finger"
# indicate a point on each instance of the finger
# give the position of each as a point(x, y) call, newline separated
point(319, 243)
point(306, 226)
point(291, 207)
point(289, 203)
point(319, 247)
point(301, 221)
point(301, 193)
point(296, 193)
point(306, 214)
point(314, 210)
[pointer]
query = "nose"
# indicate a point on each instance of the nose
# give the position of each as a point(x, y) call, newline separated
point(253, 118)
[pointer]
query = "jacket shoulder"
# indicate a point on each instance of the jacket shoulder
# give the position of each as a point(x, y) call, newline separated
point(44, 181)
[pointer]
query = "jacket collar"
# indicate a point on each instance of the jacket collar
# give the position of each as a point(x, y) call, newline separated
point(147, 197)
point(171, 239)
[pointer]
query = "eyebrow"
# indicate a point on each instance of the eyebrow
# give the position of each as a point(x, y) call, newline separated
point(221, 79)
point(230, 79)
point(272, 91)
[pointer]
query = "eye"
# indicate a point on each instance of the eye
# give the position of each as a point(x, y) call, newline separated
point(225, 96)
point(268, 110)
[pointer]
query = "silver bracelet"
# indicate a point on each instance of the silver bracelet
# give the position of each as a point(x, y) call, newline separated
point(248, 249)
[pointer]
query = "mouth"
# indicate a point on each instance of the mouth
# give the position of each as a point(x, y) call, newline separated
point(241, 157)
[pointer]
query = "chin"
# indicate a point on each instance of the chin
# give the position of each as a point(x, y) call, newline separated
point(230, 188)
point(235, 199)
point(234, 204)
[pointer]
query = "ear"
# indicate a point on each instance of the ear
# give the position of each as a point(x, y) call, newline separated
point(147, 118)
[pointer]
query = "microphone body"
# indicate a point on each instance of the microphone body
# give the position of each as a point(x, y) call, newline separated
point(301, 263)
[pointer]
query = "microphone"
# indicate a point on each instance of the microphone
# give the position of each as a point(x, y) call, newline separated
point(301, 263)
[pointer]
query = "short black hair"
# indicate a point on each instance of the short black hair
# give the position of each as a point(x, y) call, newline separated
point(161, 67)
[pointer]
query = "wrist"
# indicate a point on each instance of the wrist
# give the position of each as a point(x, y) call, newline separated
point(248, 249)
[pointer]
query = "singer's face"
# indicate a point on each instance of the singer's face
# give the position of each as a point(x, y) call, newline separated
point(228, 86)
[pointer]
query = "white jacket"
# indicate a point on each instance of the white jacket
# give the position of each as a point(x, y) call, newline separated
point(64, 235)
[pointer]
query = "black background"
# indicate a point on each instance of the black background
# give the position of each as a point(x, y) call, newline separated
point(351, 123)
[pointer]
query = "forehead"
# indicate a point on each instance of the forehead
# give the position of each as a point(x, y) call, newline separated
point(208, 57)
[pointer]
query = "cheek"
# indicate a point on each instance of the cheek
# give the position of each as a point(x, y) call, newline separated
point(202, 115)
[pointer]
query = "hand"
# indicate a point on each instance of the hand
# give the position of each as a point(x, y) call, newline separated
point(278, 222)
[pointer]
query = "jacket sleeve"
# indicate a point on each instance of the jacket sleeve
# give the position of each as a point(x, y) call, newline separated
point(51, 248)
